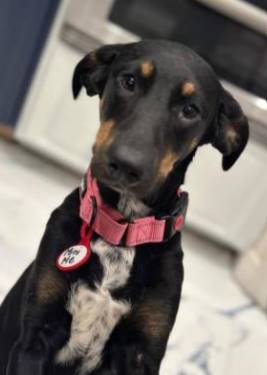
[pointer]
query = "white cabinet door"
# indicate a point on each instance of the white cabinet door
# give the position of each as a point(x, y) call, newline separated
point(229, 206)
point(53, 122)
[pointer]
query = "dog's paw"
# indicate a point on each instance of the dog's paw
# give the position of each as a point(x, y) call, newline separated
point(33, 340)
point(47, 338)
point(57, 333)
point(131, 360)
point(21, 363)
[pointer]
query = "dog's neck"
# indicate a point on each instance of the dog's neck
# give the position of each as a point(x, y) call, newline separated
point(158, 204)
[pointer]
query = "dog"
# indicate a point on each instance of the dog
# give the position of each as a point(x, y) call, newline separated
point(103, 293)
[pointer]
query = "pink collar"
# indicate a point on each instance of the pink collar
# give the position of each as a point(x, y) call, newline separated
point(108, 222)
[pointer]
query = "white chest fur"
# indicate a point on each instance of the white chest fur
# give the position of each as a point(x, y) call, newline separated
point(94, 312)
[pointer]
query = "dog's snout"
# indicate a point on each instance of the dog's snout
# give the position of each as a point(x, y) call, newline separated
point(125, 165)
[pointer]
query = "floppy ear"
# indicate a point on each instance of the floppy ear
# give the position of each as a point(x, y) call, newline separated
point(92, 71)
point(231, 130)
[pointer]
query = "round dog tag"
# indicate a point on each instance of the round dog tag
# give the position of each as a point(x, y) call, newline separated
point(73, 258)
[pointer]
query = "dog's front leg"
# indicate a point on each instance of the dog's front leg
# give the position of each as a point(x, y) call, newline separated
point(138, 343)
point(46, 330)
point(45, 321)
point(148, 328)
point(21, 362)
point(40, 338)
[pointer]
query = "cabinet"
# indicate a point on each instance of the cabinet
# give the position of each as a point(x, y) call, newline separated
point(230, 206)
point(55, 124)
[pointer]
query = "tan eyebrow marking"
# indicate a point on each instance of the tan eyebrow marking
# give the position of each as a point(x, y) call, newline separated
point(147, 68)
point(104, 134)
point(93, 56)
point(188, 88)
point(167, 163)
point(232, 136)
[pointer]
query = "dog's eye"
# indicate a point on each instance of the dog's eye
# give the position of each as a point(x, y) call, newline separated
point(128, 82)
point(190, 111)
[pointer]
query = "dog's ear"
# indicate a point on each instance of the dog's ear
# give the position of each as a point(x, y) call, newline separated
point(231, 130)
point(92, 71)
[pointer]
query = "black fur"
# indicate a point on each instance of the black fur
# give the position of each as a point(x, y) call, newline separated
point(148, 121)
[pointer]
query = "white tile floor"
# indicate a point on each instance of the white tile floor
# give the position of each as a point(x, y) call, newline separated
point(218, 330)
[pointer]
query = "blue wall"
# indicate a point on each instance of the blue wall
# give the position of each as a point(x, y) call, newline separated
point(24, 25)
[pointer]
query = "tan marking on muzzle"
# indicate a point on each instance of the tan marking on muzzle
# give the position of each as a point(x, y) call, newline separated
point(147, 69)
point(167, 163)
point(188, 88)
point(101, 102)
point(104, 135)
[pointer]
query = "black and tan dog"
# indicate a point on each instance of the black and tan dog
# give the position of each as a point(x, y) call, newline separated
point(159, 101)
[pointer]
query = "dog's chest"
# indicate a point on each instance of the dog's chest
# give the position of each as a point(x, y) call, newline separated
point(95, 312)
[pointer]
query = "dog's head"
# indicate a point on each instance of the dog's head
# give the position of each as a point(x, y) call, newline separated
point(158, 102)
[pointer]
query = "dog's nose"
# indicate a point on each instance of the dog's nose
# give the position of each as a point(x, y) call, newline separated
point(125, 165)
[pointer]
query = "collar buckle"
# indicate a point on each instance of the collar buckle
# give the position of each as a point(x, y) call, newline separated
point(175, 222)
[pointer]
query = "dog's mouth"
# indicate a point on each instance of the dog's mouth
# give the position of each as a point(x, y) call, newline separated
point(131, 199)
point(133, 191)
point(126, 201)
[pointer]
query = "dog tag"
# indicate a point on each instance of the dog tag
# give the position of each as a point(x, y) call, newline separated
point(73, 258)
